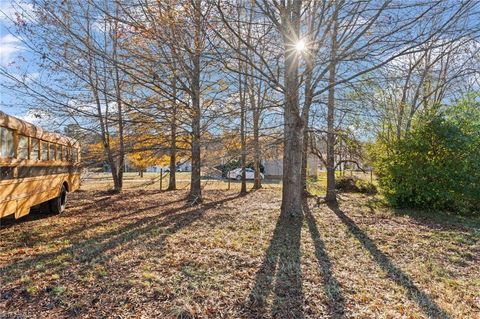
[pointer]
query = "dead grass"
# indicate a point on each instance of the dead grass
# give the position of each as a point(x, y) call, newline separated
point(143, 253)
point(151, 181)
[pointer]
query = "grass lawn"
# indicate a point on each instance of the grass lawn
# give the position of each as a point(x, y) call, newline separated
point(151, 181)
point(144, 254)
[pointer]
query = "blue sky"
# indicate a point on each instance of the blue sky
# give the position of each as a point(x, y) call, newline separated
point(13, 57)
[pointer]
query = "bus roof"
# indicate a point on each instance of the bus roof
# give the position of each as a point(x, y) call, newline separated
point(28, 129)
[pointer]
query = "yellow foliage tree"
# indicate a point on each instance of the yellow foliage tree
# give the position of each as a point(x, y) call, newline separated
point(143, 159)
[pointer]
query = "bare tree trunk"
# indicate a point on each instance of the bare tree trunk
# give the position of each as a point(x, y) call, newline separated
point(257, 182)
point(113, 168)
point(294, 125)
point(106, 138)
point(121, 151)
point(243, 158)
point(195, 195)
point(292, 155)
point(242, 93)
point(103, 118)
point(331, 195)
point(118, 96)
point(308, 92)
point(306, 119)
point(304, 162)
point(172, 182)
point(256, 102)
point(403, 101)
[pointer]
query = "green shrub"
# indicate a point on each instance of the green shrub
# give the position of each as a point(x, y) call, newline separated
point(366, 187)
point(437, 164)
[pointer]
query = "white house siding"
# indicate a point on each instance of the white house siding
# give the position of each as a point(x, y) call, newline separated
point(154, 169)
point(274, 167)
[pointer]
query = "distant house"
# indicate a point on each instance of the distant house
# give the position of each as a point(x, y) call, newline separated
point(181, 167)
point(347, 156)
point(154, 169)
point(184, 167)
point(274, 167)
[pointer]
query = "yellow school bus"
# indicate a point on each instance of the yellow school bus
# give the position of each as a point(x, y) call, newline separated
point(36, 167)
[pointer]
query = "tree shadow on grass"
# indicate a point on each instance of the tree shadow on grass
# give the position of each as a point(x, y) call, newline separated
point(432, 219)
point(429, 307)
point(41, 211)
point(75, 231)
point(335, 299)
point(281, 266)
point(99, 201)
point(82, 254)
point(441, 220)
point(10, 221)
point(117, 216)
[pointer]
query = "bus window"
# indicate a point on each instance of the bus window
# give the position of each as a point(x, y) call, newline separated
point(22, 151)
point(6, 143)
point(65, 153)
point(35, 150)
point(44, 151)
point(75, 155)
point(53, 152)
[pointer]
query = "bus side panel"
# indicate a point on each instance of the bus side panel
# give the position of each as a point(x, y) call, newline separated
point(22, 211)
point(30, 192)
point(8, 208)
point(37, 198)
point(73, 182)
point(18, 189)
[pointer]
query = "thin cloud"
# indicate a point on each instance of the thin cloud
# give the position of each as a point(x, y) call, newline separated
point(10, 10)
point(9, 47)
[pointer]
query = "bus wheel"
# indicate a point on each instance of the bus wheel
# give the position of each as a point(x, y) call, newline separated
point(57, 205)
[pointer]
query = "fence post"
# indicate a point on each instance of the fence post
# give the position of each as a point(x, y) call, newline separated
point(161, 178)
